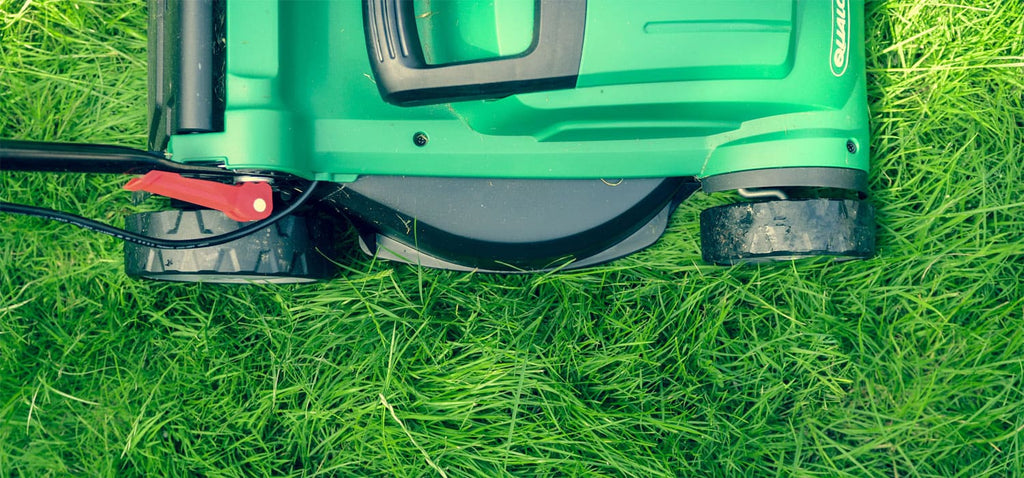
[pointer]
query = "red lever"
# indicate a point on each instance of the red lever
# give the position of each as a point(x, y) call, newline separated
point(242, 202)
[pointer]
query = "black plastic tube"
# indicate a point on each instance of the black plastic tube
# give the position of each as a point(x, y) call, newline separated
point(92, 158)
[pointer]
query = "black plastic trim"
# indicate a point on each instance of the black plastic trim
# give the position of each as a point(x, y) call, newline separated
point(510, 225)
point(386, 247)
point(404, 77)
point(815, 177)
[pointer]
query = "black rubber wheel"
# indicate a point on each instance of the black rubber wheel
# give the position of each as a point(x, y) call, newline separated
point(286, 252)
point(787, 229)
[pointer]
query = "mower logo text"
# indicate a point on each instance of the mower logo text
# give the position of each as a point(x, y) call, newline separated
point(840, 37)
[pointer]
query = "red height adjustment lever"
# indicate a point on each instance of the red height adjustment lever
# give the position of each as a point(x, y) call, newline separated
point(242, 202)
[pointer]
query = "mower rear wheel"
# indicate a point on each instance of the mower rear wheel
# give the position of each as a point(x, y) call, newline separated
point(286, 252)
point(787, 229)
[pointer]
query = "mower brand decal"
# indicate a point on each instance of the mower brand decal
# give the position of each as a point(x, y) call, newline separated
point(840, 37)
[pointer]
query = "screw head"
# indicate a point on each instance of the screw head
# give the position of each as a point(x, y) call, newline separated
point(420, 139)
point(851, 146)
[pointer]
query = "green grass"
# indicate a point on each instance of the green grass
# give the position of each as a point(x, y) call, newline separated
point(908, 364)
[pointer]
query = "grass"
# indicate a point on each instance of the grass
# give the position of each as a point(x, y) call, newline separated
point(908, 364)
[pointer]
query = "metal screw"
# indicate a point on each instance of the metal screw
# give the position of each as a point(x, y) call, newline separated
point(851, 146)
point(420, 139)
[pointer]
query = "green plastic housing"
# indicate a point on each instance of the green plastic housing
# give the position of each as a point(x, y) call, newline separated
point(665, 88)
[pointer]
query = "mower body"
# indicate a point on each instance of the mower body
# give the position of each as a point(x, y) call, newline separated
point(660, 88)
point(514, 134)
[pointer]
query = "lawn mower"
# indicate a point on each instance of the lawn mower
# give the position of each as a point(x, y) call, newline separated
point(493, 136)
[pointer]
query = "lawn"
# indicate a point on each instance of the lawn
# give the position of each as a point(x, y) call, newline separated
point(907, 364)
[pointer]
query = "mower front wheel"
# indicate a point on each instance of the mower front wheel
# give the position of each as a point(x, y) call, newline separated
point(787, 229)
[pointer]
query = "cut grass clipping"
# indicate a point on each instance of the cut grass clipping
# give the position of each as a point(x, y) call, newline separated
point(908, 364)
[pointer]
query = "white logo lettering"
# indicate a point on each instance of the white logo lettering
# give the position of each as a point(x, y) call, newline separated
point(840, 37)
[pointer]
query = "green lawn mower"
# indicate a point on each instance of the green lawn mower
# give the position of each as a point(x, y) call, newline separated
point(495, 136)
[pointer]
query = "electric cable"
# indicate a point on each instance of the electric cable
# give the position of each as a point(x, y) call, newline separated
point(154, 242)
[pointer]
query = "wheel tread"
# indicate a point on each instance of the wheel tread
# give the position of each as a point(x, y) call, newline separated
point(283, 252)
point(786, 229)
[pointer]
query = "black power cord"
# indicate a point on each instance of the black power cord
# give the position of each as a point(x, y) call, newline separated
point(153, 242)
